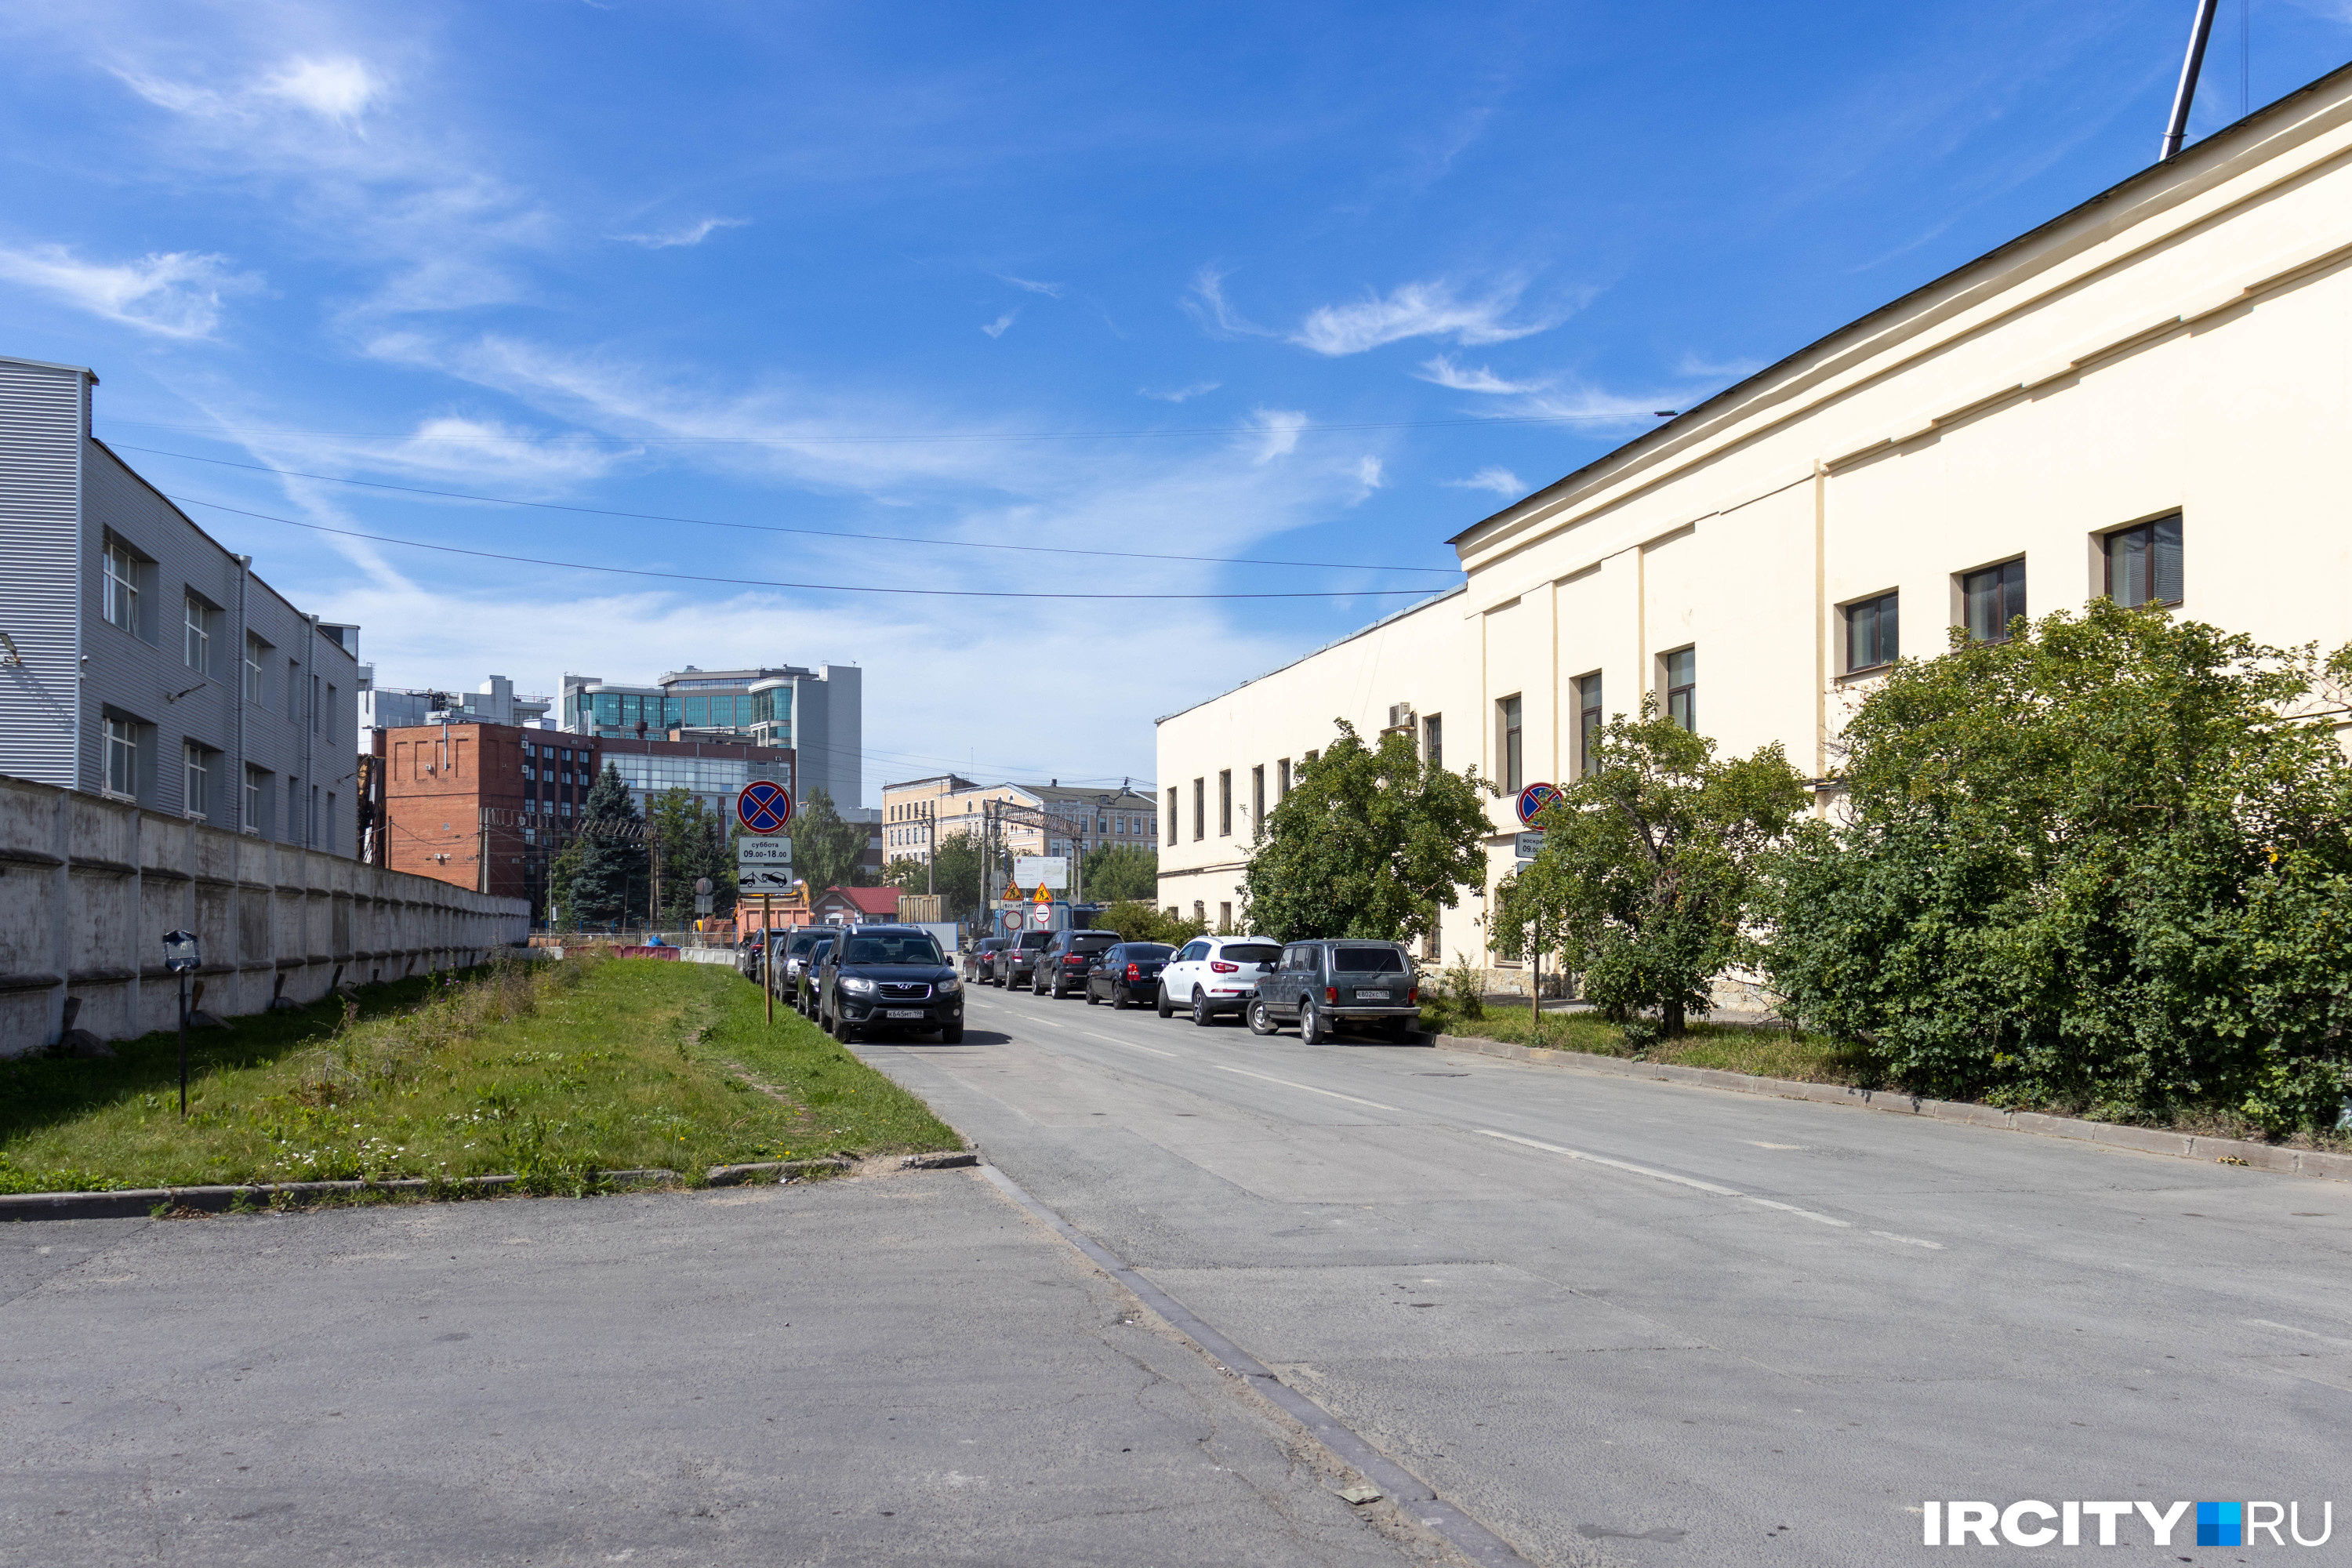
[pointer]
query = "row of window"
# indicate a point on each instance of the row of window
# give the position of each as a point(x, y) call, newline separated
point(130, 764)
point(122, 588)
point(619, 710)
point(2140, 565)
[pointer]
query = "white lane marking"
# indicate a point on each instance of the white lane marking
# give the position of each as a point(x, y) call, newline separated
point(1309, 1088)
point(1910, 1240)
point(1791, 1208)
point(1107, 1039)
point(1617, 1164)
point(2291, 1329)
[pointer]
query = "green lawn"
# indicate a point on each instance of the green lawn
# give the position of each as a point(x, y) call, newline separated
point(1731, 1048)
point(551, 1071)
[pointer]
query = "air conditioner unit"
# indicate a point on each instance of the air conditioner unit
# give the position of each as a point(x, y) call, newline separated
point(1401, 716)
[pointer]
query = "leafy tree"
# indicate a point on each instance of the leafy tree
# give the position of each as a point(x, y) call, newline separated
point(693, 845)
point(1135, 920)
point(1650, 866)
point(2105, 864)
point(827, 850)
point(1369, 842)
point(1119, 872)
point(599, 877)
point(954, 874)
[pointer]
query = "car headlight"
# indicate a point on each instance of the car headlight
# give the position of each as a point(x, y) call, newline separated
point(854, 985)
point(949, 985)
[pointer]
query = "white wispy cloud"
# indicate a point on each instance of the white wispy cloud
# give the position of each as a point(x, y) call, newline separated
point(1455, 378)
point(1500, 480)
point(1204, 300)
point(686, 234)
point(996, 329)
point(1180, 394)
point(1278, 430)
point(339, 87)
point(1421, 309)
point(1368, 475)
point(1051, 290)
point(1701, 369)
point(176, 294)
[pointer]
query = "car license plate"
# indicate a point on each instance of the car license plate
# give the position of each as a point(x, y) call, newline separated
point(902, 1013)
point(1371, 996)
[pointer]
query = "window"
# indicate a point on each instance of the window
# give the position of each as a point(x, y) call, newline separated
point(255, 804)
point(326, 714)
point(121, 586)
point(1433, 740)
point(1682, 688)
point(1200, 810)
point(2144, 564)
point(195, 795)
point(254, 649)
point(1992, 598)
point(1257, 796)
point(122, 756)
point(1224, 803)
point(1509, 750)
point(1587, 722)
point(1871, 625)
point(293, 810)
point(329, 842)
point(198, 640)
point(1172, 814)
point(294, 690)
point(1225, 918)
point(1282, 781)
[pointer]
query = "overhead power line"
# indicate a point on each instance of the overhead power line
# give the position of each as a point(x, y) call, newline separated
point(962, 436)
point(768, 582)
point(779, 528)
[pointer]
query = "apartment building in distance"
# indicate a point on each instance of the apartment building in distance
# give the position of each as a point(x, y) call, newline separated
point(1052, 819)
point(817, 714)
point(142, 660)
point(2144, 399)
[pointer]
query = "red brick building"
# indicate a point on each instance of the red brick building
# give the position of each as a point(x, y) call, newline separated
point(470, 804)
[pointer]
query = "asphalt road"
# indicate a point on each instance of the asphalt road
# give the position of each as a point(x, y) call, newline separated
point(903, 1370)
point(1632, 1322)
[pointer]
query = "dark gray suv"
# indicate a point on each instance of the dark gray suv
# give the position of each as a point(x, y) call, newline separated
point(1321, 985)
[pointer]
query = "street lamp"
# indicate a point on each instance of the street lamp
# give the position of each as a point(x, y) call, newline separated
point(181, 956)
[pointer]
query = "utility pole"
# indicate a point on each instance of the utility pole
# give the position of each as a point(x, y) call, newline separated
point(931, 846)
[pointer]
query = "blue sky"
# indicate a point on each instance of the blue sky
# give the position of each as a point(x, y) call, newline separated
point(1304, 283)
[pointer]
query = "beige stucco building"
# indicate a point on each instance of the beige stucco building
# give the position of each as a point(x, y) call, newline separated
point(2150, 395)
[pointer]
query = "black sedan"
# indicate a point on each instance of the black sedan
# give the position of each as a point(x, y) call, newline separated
point(888, 977)
point(1129, 974)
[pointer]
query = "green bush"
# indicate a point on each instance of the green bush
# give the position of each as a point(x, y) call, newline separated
point(2105, 865)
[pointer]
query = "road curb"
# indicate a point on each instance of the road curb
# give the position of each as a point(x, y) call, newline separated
point(2144, 1140)
point(1465, 1534)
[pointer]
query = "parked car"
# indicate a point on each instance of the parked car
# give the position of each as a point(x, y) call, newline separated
point(1215, 975)
point(803, 991)
point(888, 977)
point(1020, 960)
point(1323, 985)
point(979, 964)
point(1128, 974)
point(1064, 961)
point(747, 954)
point(793, 949)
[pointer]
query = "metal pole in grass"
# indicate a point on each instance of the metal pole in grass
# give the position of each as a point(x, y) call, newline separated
point(767, 952)
point(181, 957)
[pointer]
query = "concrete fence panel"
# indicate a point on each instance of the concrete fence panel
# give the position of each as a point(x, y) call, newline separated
point(89, 885)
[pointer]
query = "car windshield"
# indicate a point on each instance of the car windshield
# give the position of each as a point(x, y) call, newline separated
point(802, 946)
point(909, 947)
point(1093, 943)
point(817, 954)
point(1138, 950)
point(1249, 953)
point(1033, 940)
point(1367, 961)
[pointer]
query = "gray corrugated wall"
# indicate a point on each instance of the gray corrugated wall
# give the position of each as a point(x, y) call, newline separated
point(41, 412)
point(139, 674)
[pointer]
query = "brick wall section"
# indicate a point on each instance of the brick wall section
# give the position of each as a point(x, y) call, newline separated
point(449, 794)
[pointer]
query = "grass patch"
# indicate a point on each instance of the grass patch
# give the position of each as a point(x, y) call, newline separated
point(1728, 1047)
point(549, 1071)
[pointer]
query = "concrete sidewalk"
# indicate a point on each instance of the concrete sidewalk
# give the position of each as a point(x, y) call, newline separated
point(903, 1369)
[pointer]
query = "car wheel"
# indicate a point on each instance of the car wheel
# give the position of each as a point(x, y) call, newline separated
point(1162, 1004)
point(952, 1036)
point(1091, 998)
point(1311, 1028)
point(1201, 1016)
point(1260, 1018)
point(1119, 999)
point(1399, 1031)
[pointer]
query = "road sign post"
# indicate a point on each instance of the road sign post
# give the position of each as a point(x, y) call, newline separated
point(1533, 799)
point(768, 954)
point(764, 807)
point(763, 865)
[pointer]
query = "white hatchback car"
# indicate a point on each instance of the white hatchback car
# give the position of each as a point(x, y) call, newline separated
point(1213, 975)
